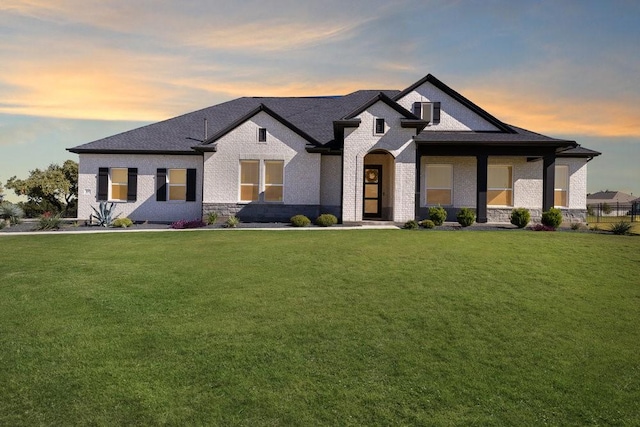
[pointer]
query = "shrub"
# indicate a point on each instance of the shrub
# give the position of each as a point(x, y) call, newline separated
point(104, 214)
point(541, 227)
point(232, 222)
point(466, 217)
point(326, 220)
point(621, 228)
point(49, 222)
point(412, 224)
point(606, 209)
point(195, 223)
point(427, 223)
point(122, 223)
point(300, 221)
point(10, 213)
point(590, 210)
point(575, 226)
point(212, 217)
point(520, 217)
point(437, 214)
point(552, 218)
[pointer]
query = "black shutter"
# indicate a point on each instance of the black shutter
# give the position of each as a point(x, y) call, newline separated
point(103, 183)
point(191, 185)
point(417, 109)
point(161, 185)
point(436, 113)
point(132, 184)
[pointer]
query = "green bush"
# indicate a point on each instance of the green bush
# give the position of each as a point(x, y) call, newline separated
point(576, 226)
point(212, 217)
point(326, 220)
point(466, 217)
point(122, 223)
point(49, 222)
point(427, 223)
point(412, 224)
point(10, 213)
point(621, 228)
point(437, 214)
point(520, 217)
point(232, 221)
point(300, 221)
point(552, 218)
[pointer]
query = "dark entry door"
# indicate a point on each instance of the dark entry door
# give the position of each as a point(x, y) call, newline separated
point(372, 206)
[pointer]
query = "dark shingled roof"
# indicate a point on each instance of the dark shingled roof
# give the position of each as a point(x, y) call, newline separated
point(313, 118)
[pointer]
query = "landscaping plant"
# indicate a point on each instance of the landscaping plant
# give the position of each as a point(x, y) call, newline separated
point(183, 223)
point(427, 223)
point(212, 217)
point(105, 214)
point(232, 222)
point(466, 217)
point(326, 220)
point(437, 214)
point(122, 223)
point(520, 217)
point(552, 218)
point(300, 221)
point(621, 227)
point(47, 221)
point(412, 224)
point(10, 213)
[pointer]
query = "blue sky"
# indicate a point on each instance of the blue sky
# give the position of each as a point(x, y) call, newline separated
point(74, 71)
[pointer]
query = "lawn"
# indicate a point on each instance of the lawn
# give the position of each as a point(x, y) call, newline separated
point(377, 327)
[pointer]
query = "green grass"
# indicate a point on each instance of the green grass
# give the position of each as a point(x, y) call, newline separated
point(320, 328)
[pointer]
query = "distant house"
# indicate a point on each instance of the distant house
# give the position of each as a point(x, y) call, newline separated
point(611, 203)
point(370, 155)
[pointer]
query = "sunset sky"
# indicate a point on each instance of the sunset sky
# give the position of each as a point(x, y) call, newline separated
point(73, 71)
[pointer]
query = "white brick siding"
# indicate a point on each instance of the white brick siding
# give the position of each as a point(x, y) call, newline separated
point(330, 180)
point(397, 142)
point(301, 169)
point(453, 115)
point(145, 208)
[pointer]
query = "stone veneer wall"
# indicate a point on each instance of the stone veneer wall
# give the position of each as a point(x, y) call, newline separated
point(263, 212)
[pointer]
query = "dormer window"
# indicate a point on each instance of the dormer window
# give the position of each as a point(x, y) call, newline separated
point(427, 111)
point(262, 135)
point(379, 126)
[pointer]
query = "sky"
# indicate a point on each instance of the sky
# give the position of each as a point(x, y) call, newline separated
point(74, 71)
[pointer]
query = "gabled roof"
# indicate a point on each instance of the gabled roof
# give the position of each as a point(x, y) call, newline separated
point(429, 78)
point(611, 197)
point(318, 120)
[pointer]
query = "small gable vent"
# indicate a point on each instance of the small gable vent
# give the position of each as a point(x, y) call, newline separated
point(427, 111)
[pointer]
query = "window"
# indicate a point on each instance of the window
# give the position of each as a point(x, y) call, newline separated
point(428, 111)
point(119, 181)
point(439, 184)
point(500, 186)
point(265, 177)
point(117, 184)
point(561, 186)
point(249, 173)
point(176, 185)
point(273, 180)
point(262, 135)
point(379, 126)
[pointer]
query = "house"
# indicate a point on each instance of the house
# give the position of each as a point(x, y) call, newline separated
point(370, 155)
point(611, 203)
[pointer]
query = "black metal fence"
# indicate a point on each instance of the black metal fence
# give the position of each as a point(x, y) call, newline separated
point(613, 212)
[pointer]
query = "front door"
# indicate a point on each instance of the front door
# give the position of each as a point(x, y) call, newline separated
point(372, 206)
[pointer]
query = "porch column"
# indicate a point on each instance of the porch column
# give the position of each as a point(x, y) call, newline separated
point(482, 171)
point(418, 173)
point(548, 180)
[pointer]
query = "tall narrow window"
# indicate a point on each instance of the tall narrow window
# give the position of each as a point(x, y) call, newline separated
point(249, 180)
point(439, 184)
point(177, 184)
point(500, 186)
point(561, 186)
point(380, 126)
point(273, 180)
point(262, 135)
point(119, 181)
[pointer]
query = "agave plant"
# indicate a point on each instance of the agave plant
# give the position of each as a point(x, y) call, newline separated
point(104, 214)
point(10, 213)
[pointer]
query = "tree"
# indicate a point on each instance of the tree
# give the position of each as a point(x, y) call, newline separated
point(1, 192)
point(53, 189)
